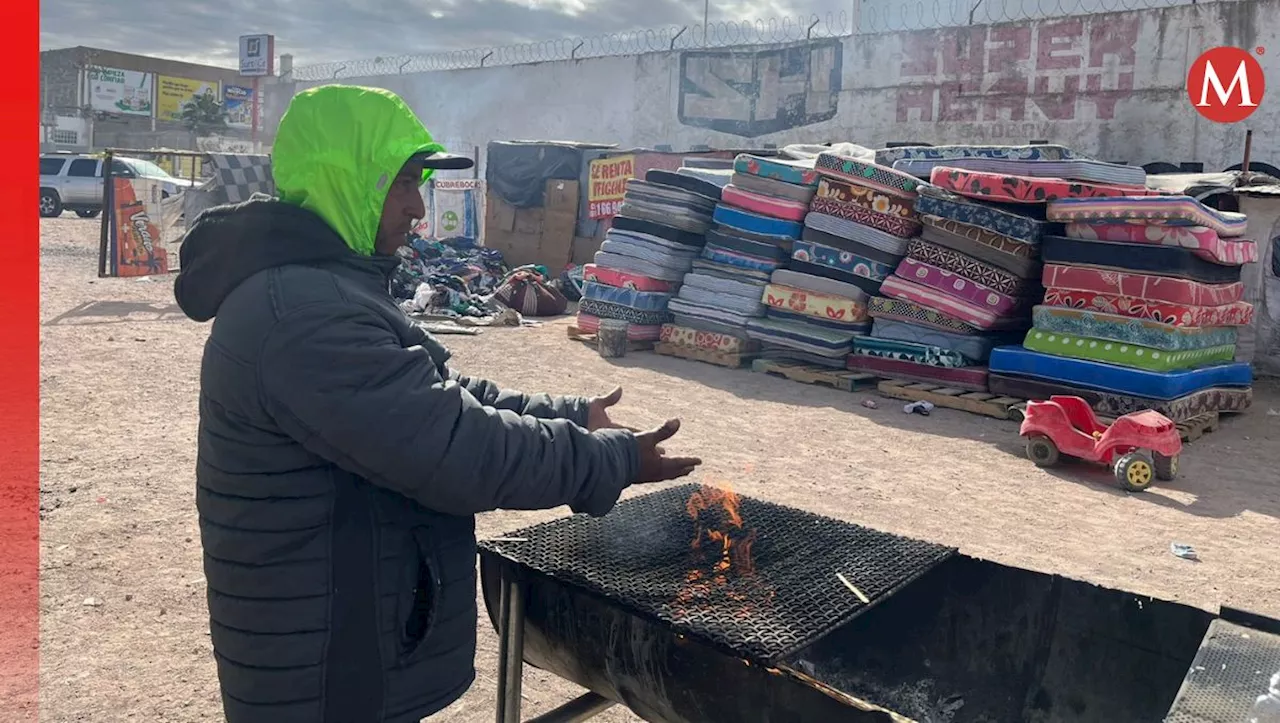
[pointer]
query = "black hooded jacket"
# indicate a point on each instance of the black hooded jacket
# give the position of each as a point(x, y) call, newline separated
point(340, 464)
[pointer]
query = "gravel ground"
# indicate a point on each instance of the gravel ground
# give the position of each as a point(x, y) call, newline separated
point(124, 627)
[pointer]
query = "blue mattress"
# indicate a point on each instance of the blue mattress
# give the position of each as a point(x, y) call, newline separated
point(756, 223)
point(639, 300)
point(1015, 360)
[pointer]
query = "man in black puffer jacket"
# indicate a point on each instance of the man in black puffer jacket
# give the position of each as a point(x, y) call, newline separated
point(341, 459)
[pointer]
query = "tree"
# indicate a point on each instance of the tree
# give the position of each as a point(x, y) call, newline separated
point(204, 114)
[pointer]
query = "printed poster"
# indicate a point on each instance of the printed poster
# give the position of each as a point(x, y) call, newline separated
point(137, 246)
point(455, 209)
point(174, 93)
point(608, 184)
point(127, 92)
point(238, 102)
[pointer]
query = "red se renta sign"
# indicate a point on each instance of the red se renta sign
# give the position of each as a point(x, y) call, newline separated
point(1226, 84)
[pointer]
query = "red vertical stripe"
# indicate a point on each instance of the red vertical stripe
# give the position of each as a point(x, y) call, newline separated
point(20, 364)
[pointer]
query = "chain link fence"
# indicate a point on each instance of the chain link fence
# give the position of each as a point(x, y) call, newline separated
point(865, 16)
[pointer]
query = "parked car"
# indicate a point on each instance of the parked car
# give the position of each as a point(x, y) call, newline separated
point(74, 182)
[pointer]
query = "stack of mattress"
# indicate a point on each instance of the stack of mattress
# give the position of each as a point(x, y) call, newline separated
point(753, 227)
point(650, 246)
point(1141, 305)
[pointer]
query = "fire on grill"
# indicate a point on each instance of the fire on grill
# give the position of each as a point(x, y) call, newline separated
point(697, 605)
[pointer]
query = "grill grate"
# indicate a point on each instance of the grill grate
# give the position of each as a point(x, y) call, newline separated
point(640, 557)
point(1231, 669)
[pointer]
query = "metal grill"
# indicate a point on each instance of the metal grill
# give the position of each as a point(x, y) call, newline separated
point(640, 557)
point(1232, 668)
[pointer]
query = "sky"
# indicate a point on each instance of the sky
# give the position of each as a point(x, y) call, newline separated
point(320, 31)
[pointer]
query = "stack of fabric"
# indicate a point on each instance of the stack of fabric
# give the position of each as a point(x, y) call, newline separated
point(754, 225)
point(651, 245)
point(1142, 301)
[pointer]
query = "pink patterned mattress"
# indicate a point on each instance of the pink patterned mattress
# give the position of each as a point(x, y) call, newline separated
point(1141, 286)
point(1004, 188)
point(764, 205)
point(958, 286)
point(896, 287)
point(1239, 313)
point(1157, 210)
point(1205, 242)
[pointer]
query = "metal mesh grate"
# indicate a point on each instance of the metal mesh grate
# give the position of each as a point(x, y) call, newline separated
point(1232, 668)
point(640, 556)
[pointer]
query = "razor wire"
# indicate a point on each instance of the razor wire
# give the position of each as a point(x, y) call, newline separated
point(864, 17)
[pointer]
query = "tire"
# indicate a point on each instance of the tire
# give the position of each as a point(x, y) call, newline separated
point(50, 204)
point(1166, 467)
point(1135, 472)
point(88, 212)
point(1042, 451)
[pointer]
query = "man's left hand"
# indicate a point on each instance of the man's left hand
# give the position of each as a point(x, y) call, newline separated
point(598, 411)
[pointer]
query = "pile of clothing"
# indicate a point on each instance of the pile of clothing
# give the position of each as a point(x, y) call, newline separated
point(1142, 303)
point(650, 246)
point(451, 278)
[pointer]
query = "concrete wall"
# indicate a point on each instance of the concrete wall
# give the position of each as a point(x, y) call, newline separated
point(1109, 85)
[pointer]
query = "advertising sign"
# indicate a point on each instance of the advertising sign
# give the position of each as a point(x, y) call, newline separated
point(238, 102)
point(608, 185)
point(137, 247)
point(174, 93)
point(257, 53)
point(127, 92)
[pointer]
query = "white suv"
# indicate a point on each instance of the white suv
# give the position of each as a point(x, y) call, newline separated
point(74, 182)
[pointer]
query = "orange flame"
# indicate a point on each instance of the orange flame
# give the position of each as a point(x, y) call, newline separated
point(721, 535)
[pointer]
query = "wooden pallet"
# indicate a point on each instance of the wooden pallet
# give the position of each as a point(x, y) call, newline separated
point(984, 403)
point(841, 379)
point(732, 360)
point(590, 338)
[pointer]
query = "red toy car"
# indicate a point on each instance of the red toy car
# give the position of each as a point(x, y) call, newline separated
point(1140, 447)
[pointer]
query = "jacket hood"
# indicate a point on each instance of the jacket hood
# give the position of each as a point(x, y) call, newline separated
point(337, 150)
point(228, 244)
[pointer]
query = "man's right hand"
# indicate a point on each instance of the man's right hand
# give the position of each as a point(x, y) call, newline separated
point(654, 465)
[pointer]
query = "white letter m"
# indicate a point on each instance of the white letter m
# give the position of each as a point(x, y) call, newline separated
point(1241, 79)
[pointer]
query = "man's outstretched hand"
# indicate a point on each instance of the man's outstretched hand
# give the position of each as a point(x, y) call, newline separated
point(654, 465)
point(598, 411)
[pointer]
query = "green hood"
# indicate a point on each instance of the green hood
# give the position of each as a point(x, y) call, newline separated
point(337, 151)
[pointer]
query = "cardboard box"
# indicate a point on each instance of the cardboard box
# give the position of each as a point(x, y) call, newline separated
point(585, 248)
point(561, 196)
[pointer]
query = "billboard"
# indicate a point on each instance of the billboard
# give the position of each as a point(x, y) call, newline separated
point(257, 55)
point(174, 93)
point(608, 185)
point(127, 92)
point(238, 102)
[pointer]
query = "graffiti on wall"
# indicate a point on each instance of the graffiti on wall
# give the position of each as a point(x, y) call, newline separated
point(751, 94)
point(1075, 69)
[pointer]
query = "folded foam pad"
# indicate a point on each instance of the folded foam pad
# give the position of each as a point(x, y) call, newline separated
point(1237, 314)
point(1046, 152)
point(609, 310)
point(973, 378)
point(737, 259)
point(885, 242)
point(981, 272)
point(825, 307)
point(1109, 404)
point(881, 178)
point(896, 225)
point(765, 205)
point(934, 356)
point(656, 256)
point(666, 215)
point(869, 198)
point(1002, 188)
point(843, 261)
point(729, 271)
point(1203, 242)
point(958, 287)
point(638, 300)
point(1125, 355)
point(705, 324)
point(1141, 258)
point(1161, 210)
point(782, 169)
point(702, 311)
point(590, 323)
point(773, 188)
point(1089, 171)
point(707, 340)
point(803, 336)
point(637, 266)
point(651, 228)
point(883, 307)
point(746, 306)
point(674, 195)
point(685, 182)
point(623, 279)
point(822, 238)
point(1018, 257)
point(972, 346)
point(896, 287)
point(775, 352)
point(1015, 360)
point(733, 241)
point(1141, 286)
point(817, 284)
point(716, 177)
point(745, 288)
point(935, 201)
point(756, 223)
point(1140, 332)
point(654, 243)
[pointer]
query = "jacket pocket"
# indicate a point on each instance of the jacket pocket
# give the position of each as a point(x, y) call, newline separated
point(419, 594)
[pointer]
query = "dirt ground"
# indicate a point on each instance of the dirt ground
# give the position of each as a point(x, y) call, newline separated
point(124, 627)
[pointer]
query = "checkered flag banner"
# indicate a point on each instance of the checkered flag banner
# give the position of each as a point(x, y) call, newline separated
point(241, 176)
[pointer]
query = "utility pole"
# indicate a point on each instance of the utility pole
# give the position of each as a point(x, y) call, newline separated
point(706, 13)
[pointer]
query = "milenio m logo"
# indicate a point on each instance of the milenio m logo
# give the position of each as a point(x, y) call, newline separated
point(1226, 84)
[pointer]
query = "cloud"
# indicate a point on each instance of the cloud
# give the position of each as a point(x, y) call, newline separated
point(319, 31)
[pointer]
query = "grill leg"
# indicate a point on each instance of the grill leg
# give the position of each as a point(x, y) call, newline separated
point(510, 652)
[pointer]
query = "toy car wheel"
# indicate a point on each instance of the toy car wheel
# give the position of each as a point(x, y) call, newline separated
point(1042, 451)
point(1135, 472)
point(1166, 467)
